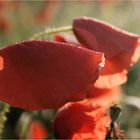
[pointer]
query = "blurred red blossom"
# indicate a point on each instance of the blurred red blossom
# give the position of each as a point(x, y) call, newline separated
point(105, 97)
point(5, 25)
point(81, 120)
point(2, 4)
point(36, 131)
point(5, 21)
point(48, 11)
point(122, 49)
point(5, 5)
point(105, 3)
point(44, 74)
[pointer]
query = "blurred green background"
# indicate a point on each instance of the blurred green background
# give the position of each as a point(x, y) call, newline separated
point(20, 20)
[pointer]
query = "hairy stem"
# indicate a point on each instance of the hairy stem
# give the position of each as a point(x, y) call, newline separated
point(51, 31)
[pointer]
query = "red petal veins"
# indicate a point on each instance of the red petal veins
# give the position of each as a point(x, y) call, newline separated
point(44, 74)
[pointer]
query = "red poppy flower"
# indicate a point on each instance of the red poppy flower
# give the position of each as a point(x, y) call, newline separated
point(81, 120)
point(121, 49)
point(36, 131)
point(43, 74)
point(105, 97)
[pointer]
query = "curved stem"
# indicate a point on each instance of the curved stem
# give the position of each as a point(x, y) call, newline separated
point(52, 31)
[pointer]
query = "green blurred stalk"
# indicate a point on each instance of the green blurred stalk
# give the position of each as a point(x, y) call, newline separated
point(4, 109)
point(25, 126)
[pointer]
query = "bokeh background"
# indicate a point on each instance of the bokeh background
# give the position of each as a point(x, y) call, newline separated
point(20, 20)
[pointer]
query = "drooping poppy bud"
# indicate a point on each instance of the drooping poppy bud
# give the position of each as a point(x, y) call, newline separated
point(122, 49)
point(105, 97)
point(36, 131)
point(81, 120)
point(43, 74)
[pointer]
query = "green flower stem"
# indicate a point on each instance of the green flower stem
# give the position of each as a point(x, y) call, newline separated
point(4, 109)
point(51, 31)
point(25, 127)
point(26, 124)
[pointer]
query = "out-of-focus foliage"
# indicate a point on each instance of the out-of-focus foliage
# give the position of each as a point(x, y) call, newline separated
point(20, 20)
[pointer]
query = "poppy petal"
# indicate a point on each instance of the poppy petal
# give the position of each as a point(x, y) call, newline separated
point(122, 49)
point(105, 97)
point(81, 120)
point(43, 74)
